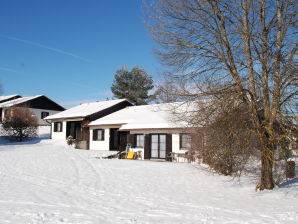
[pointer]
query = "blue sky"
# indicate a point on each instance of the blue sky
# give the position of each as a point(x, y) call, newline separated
point(69, 50)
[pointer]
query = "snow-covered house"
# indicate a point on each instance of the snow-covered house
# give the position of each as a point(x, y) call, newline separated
point(151, 129)
point(40, 105)
point(74, 121)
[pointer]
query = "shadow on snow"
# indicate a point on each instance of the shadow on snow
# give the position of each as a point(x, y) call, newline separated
point(289, 183)
point(8, 141)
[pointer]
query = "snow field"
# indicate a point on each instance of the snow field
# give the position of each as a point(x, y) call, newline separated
point(50, 182)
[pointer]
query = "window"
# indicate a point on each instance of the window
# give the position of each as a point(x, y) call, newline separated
point(44, 114)
point(58, 126)
point(139, 141)
point(185, 141)
point(98, 134)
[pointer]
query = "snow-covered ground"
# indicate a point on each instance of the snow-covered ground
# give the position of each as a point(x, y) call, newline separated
point(49, 182)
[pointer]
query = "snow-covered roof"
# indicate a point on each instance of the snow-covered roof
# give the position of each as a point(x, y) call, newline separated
point(155, 116)
point(17, 101)
point(85, 109)
point(8, 97)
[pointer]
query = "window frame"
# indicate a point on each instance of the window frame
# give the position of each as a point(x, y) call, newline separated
point(56, 126)
point(182, 144)
point(159, 143)
point(95, 136)
point(44, 112)
point(136, 141)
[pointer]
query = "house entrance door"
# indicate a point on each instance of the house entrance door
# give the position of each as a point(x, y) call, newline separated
point(114, 141)
point(158, 146)
point(72, 128)
point(118, 139)
point(122, 140)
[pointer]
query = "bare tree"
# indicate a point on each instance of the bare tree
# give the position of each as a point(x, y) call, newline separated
point(247, 48)
point(20, 123)
point(167, 90)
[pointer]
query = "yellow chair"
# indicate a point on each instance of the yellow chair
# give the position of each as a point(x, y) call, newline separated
point(130, 155)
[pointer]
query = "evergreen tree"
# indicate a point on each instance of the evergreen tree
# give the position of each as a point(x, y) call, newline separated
point(132, 85)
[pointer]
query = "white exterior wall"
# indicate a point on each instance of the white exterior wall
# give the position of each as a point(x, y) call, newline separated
point(176, 148)
point(37, 113)
point(101, 145)
point(176, 144)
point(59, 135)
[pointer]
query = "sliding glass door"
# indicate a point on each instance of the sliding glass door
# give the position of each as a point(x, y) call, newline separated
point(158, 146)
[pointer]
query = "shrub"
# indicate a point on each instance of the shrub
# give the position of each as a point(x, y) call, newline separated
point(290, 172)
point(229, 142)
point(20, 124)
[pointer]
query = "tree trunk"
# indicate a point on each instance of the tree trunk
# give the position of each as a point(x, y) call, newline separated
point(267, 169)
